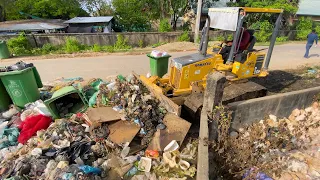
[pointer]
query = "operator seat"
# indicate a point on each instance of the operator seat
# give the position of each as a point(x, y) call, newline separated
point(241, 56)
point(252, 40)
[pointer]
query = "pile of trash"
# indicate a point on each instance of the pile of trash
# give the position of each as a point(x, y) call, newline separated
point(312, 72)
point(120, 131)
point(286, 148)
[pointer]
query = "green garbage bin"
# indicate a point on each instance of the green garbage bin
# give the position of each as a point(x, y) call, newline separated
point(5, 100)
point(67, 100)
point(22, 85)
point(4, 51)
point(159, 65)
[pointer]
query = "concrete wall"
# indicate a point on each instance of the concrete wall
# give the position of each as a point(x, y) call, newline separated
point(281, 105)
point(148, 38)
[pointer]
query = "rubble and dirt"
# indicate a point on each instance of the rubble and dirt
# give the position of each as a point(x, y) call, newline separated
point(286, 148)
point(91, 145)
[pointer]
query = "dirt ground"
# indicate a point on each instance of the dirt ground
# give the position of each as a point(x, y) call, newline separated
point(281, 81)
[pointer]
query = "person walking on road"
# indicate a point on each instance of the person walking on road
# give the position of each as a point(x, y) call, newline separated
point(311, 38)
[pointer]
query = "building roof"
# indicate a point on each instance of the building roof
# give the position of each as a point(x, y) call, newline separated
point(32, 25)
point(309, 7)
point(100, 19)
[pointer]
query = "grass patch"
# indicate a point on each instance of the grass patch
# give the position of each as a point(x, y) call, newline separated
point(158, 44)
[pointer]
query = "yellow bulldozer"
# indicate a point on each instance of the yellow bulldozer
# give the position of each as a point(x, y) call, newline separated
point(187, 78)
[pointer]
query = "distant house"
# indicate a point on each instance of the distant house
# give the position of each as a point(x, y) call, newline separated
point(90, 24)
point(33, 26)
point(309, 8)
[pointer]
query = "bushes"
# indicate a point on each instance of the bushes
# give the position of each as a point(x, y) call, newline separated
point(265, 31)
point(141, 43)
point(282, 39)
point(184, 36)
point(96, 48)
point(220, 38)
point(122, 43)
point(19, 45)
point(304, 27)
point(72, 45)
point(109, 49)
point(48, 48)
point(164, 25)
point(317, 28)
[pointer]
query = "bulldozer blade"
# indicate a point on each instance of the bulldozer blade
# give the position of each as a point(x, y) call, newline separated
point(243, 91)
point(157, 92)
point(232, 92)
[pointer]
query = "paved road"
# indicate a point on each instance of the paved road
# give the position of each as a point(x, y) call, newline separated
point(284, 57)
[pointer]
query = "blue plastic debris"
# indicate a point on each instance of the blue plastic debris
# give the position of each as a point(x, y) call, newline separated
point(259, 175)
point(142, 131)
point(67, 176)
point(90, 170)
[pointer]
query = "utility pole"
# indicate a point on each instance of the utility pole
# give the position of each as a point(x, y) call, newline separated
point(199, 11)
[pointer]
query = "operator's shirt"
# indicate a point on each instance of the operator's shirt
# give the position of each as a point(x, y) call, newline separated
point(245, 40)
point(312, 37)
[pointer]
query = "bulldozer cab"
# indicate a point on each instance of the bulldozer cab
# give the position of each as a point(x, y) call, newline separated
point(242, 49)
point(242, 61)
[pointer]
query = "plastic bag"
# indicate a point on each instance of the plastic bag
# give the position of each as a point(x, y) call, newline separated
point(121, 78)
point(152, 153)
point(156, 53)
point(90, 170)
point(93, 99)
point(96, 84)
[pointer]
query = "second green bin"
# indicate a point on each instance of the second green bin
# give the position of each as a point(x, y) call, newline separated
point(159, 65)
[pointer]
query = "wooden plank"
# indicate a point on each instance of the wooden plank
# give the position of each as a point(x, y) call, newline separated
point(123, 131)
point(103, 114)
point(177, 129)
point(157, 92)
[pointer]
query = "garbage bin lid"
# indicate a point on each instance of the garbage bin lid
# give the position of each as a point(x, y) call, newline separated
point(166, 56)
point(15, 72)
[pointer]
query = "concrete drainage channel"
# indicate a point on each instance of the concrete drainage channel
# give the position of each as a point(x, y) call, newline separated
point(243, 113)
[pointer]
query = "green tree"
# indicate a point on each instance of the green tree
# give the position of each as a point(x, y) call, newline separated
point(135, 15)
point(53, 9)
point(97, 7)
point(164, 25)
point(5, 6)
point(304, 27)
point(177, 9)
point(289, 7)
point(205, 3)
